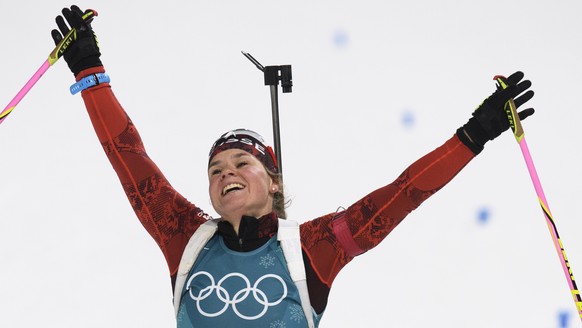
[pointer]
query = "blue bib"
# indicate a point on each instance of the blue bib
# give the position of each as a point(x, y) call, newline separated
point(226, 288)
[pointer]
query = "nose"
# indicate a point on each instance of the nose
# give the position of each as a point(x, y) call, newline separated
point(227, 172)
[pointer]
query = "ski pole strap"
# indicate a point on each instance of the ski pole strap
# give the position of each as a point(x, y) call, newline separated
point(89, 81)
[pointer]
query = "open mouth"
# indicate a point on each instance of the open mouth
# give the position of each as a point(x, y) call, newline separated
point(232, 187)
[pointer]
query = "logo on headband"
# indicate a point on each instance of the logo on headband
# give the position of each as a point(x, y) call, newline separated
point(248, 141)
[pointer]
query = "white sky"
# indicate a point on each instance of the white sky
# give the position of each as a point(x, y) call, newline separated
point(72, 253)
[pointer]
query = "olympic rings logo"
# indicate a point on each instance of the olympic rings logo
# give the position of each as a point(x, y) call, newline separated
point(240, 296)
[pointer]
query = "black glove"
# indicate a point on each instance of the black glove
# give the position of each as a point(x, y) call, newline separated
point(490, 119)
point(83, 53)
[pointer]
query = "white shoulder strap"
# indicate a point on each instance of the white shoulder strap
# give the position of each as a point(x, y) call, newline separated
point(191, 252)
point(290, 241)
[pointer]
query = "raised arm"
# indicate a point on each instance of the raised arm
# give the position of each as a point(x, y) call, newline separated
point(167, 216)
point(331, 241)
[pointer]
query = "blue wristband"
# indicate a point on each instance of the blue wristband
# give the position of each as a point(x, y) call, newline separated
point(89, 81)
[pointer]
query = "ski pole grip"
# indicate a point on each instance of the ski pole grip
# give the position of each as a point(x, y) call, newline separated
point(69, 38)
point(89, 15)
point(511, 110)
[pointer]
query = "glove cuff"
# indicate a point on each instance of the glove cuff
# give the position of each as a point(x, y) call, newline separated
point(90, 71)
point(87, 62)
point(473, 135)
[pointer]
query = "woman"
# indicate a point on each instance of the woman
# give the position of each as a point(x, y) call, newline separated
point(231, 271)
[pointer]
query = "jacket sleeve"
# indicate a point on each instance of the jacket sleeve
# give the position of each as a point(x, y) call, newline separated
point(331, 241)
point(167, 216)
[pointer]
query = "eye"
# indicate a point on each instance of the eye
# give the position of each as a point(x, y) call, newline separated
point(215, 171)
point(241, 164)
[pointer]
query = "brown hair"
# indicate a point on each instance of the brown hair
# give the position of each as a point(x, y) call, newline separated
point(279, 202)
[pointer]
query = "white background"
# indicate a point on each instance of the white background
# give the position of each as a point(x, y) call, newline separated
point(72, 253)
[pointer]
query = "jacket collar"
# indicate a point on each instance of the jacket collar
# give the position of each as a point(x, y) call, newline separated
point(252, 232)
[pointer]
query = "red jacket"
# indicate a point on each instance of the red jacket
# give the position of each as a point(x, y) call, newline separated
point(329, 242)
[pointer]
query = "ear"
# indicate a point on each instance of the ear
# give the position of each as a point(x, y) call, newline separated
point(274, 188)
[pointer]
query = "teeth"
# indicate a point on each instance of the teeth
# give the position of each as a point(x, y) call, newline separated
point(231, 187)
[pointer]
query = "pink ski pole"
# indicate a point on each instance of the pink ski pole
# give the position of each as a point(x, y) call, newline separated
point(52, 58)
point(518, 132)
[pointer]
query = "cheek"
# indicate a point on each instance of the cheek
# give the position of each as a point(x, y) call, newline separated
point(212, 187)
point(266, 182)
point(261, 179)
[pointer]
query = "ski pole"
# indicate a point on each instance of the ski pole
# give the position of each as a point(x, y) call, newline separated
point(518, 132)
point(57, 53)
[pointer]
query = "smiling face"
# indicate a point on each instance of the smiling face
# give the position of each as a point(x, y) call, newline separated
point(239, 185)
